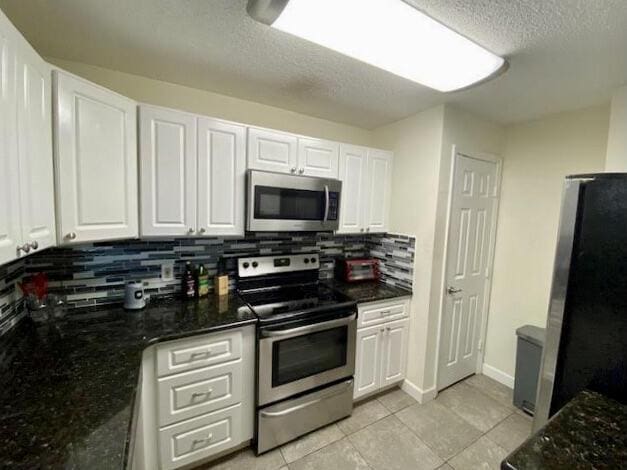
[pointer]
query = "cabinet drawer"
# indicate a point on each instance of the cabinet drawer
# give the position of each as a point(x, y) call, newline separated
point(198, 392)
point(184, 355)
point(199, 438)
point(379, 312)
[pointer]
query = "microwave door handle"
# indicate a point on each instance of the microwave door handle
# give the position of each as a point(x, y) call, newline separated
point(326, 202)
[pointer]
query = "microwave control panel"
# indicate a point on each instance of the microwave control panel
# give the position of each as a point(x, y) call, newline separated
point(333, 206)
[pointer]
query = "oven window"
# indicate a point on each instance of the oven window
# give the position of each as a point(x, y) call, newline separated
point(303, 356)
point(288, 204)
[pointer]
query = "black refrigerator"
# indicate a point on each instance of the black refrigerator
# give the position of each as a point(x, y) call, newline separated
point(586, 342)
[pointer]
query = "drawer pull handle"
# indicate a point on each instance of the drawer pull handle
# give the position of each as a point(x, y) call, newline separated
point(197, 442)
point(385, 313)
point(201, 394)
point(199, 355)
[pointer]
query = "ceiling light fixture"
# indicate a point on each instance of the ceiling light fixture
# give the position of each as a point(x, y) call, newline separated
point(389, 34)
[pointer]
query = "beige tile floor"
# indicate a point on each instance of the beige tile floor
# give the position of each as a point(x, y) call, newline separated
point(471, 425)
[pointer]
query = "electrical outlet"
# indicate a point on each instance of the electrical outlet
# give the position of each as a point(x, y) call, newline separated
point(167, 272)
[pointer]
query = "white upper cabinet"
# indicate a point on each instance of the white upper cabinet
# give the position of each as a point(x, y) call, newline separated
point(167, 161)
point(318, 157)
point(221, 177)
point(35, 149)
point(272, 151)
point(378, 190)
point(10, 228)
point(353, 171)
point(96, 161)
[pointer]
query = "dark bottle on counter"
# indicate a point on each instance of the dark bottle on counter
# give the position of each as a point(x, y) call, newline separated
point(202, 281)
point(188, 287)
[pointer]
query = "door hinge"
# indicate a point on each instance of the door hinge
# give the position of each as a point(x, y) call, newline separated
point(480, 345)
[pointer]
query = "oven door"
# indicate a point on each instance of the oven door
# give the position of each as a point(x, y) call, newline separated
point(296, 359)
point(286, 202)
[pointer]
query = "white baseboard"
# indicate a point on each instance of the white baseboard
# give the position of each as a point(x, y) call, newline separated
point(498, 375)
point(418, 394)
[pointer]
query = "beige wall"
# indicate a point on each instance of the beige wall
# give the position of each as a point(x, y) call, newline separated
point(417, 144)
point(617, 138)
point(422, 146)
point(537, 156)
point(170, 95)
point(472, 135)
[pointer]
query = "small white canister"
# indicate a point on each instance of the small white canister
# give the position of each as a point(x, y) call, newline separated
point(134, 297)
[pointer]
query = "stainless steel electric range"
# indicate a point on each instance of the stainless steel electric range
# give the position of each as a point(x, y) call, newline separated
point(305, 347)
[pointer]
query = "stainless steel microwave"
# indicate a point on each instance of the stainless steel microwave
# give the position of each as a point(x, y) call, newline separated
point(281, 202)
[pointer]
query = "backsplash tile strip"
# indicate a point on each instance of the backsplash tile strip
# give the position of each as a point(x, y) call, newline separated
point(95, 273)
point(11, 304)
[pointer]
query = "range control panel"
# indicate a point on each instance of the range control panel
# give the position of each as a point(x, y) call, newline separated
point(260, 265)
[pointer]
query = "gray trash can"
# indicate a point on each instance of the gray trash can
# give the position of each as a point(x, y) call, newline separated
point(528, 361)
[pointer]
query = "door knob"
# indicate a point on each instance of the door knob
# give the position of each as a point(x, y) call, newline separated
point(453, 290)
point(202, 230)
point(293, 169)
point(301, 171)
point(190, 230)
point(26, 247)
point(34, 245)
point(71, 235)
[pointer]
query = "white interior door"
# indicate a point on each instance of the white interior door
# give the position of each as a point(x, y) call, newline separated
point(35, 149)
point(10, 230)
point(353, 170)
point(221, 177)
point(96, 161)
point(470, 239)
point(167, 149)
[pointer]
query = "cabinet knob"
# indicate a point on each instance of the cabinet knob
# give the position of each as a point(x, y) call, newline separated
point(293, 169)
point(25, 247)
point(301, 171)
point(367, 229)
point(361, 229)
point(191, 230)
point(34, 245)
point(202, 230)
point(382, 330)
point(71, 235)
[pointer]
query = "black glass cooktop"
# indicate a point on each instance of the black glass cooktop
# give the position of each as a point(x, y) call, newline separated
point(283, 302)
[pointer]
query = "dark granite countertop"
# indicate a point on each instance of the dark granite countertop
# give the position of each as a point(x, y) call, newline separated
point(67, 388)
point(368, 291)
point(590, 432)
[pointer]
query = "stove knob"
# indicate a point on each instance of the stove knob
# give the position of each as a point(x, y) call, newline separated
point(306, 260)
point(255, 264)
point(245, 265)
point(313, 260)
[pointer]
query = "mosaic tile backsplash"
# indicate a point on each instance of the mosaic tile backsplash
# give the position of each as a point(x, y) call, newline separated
point(94, 274)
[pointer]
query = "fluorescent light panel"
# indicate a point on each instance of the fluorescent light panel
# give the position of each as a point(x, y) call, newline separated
point(393, 36)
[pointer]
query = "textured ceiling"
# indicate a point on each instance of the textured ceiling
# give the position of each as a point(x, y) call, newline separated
point(564, 54)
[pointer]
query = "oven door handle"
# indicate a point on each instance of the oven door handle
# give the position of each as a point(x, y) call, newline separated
point(326, 202)
point(300, 406)
point(301, 330)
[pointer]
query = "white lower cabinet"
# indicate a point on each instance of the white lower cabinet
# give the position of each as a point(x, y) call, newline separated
point(197, 399)
point(381, 356)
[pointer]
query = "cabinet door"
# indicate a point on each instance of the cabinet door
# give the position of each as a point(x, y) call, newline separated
point(272, 151)
point(10, 231)
point(221, 177)
point(353, 170)
point(378, 190)
point(394, 352)
point(96, 161)
point(318, 157)
point(167, 149)
point(368, 361)
point(35, 148)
